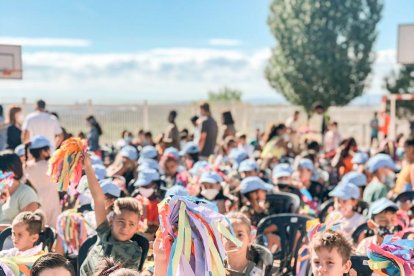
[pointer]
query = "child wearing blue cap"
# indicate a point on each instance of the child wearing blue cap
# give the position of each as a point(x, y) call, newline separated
point(383, 169)
point(212, 190)
point(346, 196)
point(383, 221)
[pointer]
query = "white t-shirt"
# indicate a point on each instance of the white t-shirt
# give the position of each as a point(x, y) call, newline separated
point(42, 123)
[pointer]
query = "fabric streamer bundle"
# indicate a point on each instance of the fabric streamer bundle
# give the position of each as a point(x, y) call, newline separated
point(65, 166)
point(314, 226)
point(72, 230)
point(197, 230)
point(18, 265)
point(6, 179)
point(395, 256)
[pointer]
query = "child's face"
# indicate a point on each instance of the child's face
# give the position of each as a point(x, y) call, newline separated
point(125, 225)
point(171, 167)
point(345, 207)
point(328, 263)
point(386, 219)
point(258, 200)
point(243, 235)
point(249, 173)
point(21, 237)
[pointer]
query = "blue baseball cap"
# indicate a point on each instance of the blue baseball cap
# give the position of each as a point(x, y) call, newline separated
point(129, 152)
point(39, 141)
point(110, 188)
point(360, 158)
point(211, 177)
point(149, 152)
point(190, 148)
point(172, 151)
point(248, 165)
point(148, 164)
point(20, 150)
point(381, 160)
point(100, 171)
point(381, 205)
point(146, 177)
point(307, 164)
point(282, 170)
point(253, 183)
point(356, 178)
point(238, 156)
point(176, 190)
point(96, 160)
point(198, 168)
point(345, 191)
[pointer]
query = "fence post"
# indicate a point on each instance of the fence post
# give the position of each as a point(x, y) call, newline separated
point(145, 115)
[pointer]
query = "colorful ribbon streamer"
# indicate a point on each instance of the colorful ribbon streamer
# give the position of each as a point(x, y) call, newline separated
point(6, 179)
point(65, 166)
point(314, 226)
point(197, 230)
point(395, 256)
point(72, 230)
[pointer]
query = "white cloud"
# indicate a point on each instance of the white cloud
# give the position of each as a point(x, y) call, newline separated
point(224, 42)
point(163, 74)
point(45, 42)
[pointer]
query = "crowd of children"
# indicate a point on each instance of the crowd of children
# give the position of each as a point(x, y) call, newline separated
point(366, 194)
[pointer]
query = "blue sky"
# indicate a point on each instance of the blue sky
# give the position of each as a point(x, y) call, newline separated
point(155, 50)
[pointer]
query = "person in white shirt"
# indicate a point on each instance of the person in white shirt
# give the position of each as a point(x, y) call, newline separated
point(332, 138)
point(292, 127)
point(42, 123)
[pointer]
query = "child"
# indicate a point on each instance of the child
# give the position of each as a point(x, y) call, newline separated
point(383, 220)
point(26, 230)
point(212, 190)
point(346, 196)
point(52, 264)
point(113, 236)
point(330, 254)
point(248, 168)
point(238, 262)
point(383, 169)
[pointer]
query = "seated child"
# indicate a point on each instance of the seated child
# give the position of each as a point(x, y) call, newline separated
point(346, 197)
point(26, 230)
point(330, 254)
point(109, 267)
point(114, 235)
point(238, 262)
point(383, 220)
point(52, 264)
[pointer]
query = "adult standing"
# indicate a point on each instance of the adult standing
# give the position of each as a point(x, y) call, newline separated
point(3, 130)
point(14, 130)
point(374, 125)
point(321, 110)
point(292, 126)
point(172, 135)
point(42, 123)
point(209, 131)
point(95, 131)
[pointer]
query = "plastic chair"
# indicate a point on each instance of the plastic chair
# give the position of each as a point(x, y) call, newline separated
point(324, 208)
point(362, 232)
point(289, 189)
point(262, 257)
point(360, 265)
point(291, 229)
point(281, 203)
point(409, 195)
point(47, 237)
point(86, 246)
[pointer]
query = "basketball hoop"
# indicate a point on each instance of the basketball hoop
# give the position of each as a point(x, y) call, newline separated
point(10, 62)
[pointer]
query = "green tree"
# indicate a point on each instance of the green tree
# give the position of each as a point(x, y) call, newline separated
point(225, 94)
point(402, 82)
point(323, 50)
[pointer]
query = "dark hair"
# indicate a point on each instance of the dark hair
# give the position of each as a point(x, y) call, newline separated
point(194, 119)
point(409, 142)
point(329, 240)
point(318, 105)
point(12, 114)
point(1, 110)
point(54, 114)
point(108, 266)
point(9, 161)
point(50, 261)
point(194, 157)
point(148, 134)
point(205, 107)
point(92, 120)
point(36, 152)
point(172, 115)
point(35, 221)
point(41, 104)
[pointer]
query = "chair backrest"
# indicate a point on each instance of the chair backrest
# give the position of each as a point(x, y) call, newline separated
point(262, 257)
point(47, 238)
point(362, 232)
point(281, 203)
point(363, 208)
point(405, 195)
point(289, 189)
point(84, 250)
point(324, 208)
point(4, 235)
point(291, 229)
point(360, 265)
point(86, 246)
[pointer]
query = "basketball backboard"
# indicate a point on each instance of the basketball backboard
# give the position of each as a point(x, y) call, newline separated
point(405, 51)
point(10, 62)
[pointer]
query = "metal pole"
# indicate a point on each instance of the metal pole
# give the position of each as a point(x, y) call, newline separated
point(145, 116)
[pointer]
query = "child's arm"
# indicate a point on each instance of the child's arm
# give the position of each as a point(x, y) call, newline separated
point(96, 191)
